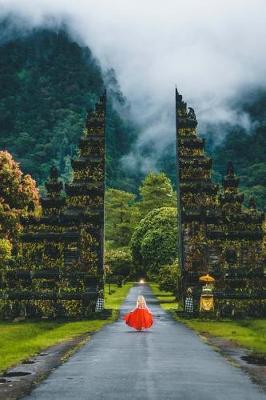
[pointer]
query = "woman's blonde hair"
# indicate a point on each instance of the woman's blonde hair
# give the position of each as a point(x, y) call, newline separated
point(141, 301)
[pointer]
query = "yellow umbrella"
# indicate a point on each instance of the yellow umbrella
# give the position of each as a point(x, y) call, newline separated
point(206, 278)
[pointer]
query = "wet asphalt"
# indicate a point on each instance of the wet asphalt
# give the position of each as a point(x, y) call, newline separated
point(166, 362)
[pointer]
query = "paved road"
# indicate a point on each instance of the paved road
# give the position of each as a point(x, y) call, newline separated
point(168, 362)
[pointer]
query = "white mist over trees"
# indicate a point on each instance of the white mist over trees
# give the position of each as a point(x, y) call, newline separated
point(212, 51)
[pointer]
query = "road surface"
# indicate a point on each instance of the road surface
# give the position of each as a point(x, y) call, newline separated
point(167, 362)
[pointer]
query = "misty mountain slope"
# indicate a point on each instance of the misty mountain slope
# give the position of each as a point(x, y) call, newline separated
point(48, 82)
point(247, 150)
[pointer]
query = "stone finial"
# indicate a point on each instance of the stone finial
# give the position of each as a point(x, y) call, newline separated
point(191, 113)
point(252, 203)
point(54, 173)
point(230, 169)
point(102, 98)
point(53, 184)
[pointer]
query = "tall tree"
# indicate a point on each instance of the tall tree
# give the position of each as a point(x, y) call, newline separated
point(168, 277)
point(18, 194)
point(156, 191)
point(17, 190)
point(122, 216)
point(118, 264)
point(154, 242)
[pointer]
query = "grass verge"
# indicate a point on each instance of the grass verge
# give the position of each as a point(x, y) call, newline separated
point(117, 296)
point(249, 333)
point(21, 340)
point(166, 299)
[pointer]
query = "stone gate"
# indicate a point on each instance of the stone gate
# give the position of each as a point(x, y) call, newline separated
point(217, 234)
point(59, 270)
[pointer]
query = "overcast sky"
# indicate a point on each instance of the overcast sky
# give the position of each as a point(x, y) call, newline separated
point(210, 49)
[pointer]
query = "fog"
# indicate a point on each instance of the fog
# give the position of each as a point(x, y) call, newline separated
point(210, 49)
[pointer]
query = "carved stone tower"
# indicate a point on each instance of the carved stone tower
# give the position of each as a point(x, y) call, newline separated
point(196, 196)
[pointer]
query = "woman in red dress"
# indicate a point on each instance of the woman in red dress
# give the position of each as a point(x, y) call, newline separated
point(140, 317)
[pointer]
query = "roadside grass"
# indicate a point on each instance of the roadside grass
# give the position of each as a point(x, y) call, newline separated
point(114, 300)
point(249, 333)
point(21, 340)
point(166, 299)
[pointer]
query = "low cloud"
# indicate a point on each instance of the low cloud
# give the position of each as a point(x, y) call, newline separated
point(211, 50)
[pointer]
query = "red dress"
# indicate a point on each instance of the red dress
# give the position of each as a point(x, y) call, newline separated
point(139, 318)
